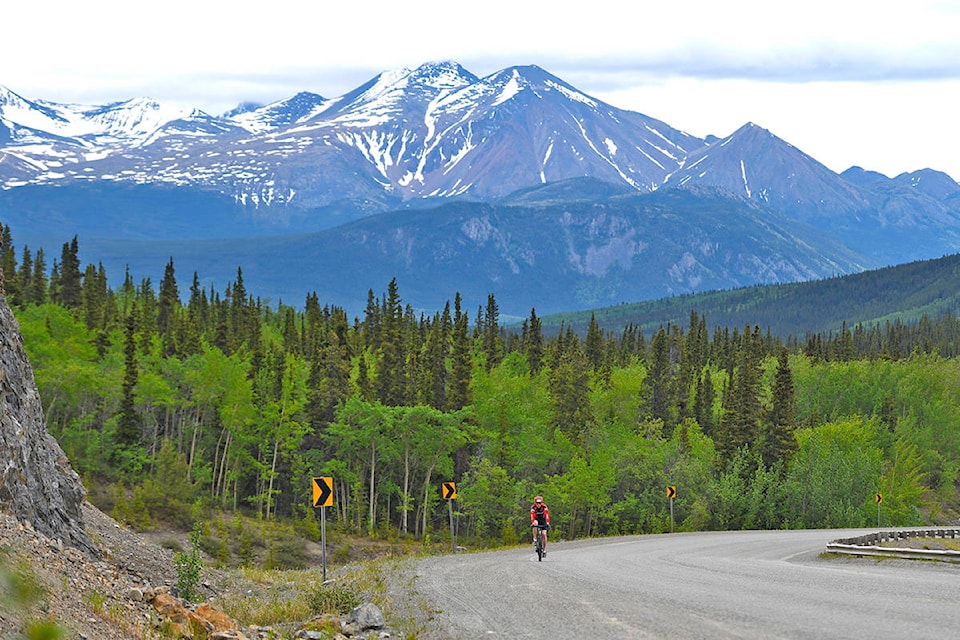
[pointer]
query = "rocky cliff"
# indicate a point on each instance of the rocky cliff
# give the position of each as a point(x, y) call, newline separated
point(37, 483)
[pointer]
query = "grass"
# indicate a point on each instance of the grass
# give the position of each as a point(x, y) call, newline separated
point(277, 598)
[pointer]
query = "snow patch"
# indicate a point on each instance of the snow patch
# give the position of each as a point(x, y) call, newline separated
point(511, 89)
point(571, 95)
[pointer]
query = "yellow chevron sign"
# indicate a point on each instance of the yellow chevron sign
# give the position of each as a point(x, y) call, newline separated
point(323, 492)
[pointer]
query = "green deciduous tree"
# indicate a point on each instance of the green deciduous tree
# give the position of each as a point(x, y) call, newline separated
point(835, 474)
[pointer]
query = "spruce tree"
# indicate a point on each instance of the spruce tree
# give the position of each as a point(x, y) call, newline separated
point(742, 411)
point(25, 276)
point(329, 381)
point(461, 360)
point(8, 265)
point(168, 306)
point(593, 344)
point(703, 403)
point(128, 420)
point(69, 291)
point(391, 359)
point(39, 281)
point(533, 343)
point(433, 388)
point(658, 383)
point(779, 441)
point(492, 347)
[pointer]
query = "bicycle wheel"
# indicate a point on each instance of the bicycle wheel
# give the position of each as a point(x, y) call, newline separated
point(539, 546)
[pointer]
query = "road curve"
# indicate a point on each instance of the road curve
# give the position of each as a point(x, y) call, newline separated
point(737, 584)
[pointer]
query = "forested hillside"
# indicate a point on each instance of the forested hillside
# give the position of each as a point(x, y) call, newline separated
point(904, 293)
point(169, 404)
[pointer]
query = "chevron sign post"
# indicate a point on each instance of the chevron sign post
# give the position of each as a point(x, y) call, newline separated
point(323, 498)
point(449, 492)
point(671, 493)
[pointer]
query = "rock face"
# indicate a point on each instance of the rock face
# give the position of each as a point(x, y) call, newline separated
point(37, 483)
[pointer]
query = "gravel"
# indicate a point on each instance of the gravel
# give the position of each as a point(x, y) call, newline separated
point(41, 579)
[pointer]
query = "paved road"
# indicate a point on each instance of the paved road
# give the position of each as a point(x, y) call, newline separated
point(742, 584)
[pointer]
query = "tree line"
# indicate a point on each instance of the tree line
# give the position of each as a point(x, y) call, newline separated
point(216, 398)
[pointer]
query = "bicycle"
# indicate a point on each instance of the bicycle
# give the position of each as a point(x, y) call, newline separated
point(539, 542)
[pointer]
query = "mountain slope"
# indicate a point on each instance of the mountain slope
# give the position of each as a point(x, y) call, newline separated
point(904, 292)
point(755, 164)
point(435, 131)
point(539, 152)
point(552, 256)
point(893, 220)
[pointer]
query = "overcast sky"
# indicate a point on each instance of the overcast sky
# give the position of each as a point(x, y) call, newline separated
point(874, 83)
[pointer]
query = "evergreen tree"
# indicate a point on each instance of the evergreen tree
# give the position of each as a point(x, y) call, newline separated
point(168, 306)
point(593, 345)
point(128, 420)
point(371, 322)
point(39, 281)
point(703, 403)
point(364, 384)
point(533, 343)
point(492, 347)
point(461, 360)
point(391, 361)
point(740, 423)
point(289, 332)
point(25, 276)
point(69, 288)
point(658, 383)
point(433, 388)
point(147, 322)
point(8, 266)
point(570, 390)
point(779, 440)
point(94, 298)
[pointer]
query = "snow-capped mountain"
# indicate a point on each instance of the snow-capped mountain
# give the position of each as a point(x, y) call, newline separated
point(437, 131)
point(544, 157)
point(757, 165)
point(433, 131)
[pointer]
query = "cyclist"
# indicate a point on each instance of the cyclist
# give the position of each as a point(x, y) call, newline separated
point(540, 516)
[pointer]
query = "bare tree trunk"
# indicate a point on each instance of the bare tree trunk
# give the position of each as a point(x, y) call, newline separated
point(193, 443)
point(406, 489)
point(426, 498)
point(373, 495)
point(273, 474)
point(224, 462)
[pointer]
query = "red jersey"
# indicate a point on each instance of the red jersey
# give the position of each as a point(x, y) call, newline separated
point(539, 513)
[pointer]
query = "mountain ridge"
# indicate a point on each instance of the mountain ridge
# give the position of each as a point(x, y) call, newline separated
point(408, 143)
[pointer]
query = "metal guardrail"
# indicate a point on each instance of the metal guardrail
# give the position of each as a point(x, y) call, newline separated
point(869, 545)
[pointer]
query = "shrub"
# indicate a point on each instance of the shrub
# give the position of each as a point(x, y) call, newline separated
point(332, 598)
point(188, 565)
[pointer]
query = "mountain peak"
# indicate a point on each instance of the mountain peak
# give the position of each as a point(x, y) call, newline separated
point(529, 75)
point(751, 129)
point(243, 107)
point(443, 74)
point(297, 108)
point(934, 183)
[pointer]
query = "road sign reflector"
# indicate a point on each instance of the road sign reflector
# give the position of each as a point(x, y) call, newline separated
point(449, 490)
point(323, 492)
point(671, 492)
point(878, 498)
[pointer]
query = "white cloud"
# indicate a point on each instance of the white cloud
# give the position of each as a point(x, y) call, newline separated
point(876, 77)
point(887, 127)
